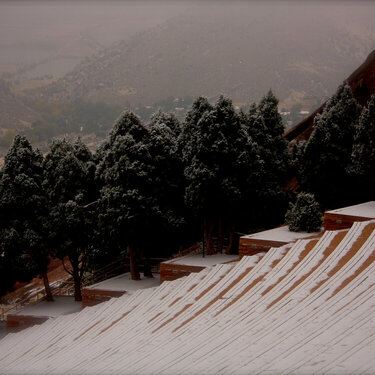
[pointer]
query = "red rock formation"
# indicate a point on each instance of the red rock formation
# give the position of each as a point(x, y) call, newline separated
point(362, 82)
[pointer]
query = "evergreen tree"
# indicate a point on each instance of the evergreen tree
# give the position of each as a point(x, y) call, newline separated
point(274, 146)
point(127, 205)
point(190, 133)
point(271, 164)
point(304, 215)
point(363, 155)
point(215, 158)
point(268, 109)
point(169, 120)
point(23, 213)
point(167, 176)
point(69, 173)
point(188, 146)
point(327, 152)
point(297, 153)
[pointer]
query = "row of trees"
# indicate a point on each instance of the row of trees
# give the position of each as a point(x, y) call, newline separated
point(147, 186)
point(234, 164)
point(159, 185)
point(42, 205)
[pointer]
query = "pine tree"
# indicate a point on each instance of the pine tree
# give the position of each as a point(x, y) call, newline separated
point(268, 109)
point(69, 173)
point(327, 152)
point(188, 142)
point(167, 171)
point(127, 205)
point(304, 215)
point(168, 181)
point(363, 155)
point(169, 120)
point(275, 148)
point(23, 212)
point(270, 152)
point(215, 157)
point(190, 132)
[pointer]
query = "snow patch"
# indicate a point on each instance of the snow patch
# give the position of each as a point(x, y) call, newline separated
point(124, 283)
point(198, 260)
point(61, 305)
point(281, 234)
point(361, 210)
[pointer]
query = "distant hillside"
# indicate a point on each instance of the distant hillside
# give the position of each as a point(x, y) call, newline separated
point(240, 50)
point(14, 114)
point(362, 82)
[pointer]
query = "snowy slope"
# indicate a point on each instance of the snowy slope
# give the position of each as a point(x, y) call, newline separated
point(308, 307)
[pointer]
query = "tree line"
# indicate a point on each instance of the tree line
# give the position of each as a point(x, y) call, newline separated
point(153, 187)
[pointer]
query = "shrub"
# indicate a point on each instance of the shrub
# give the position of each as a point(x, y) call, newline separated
point(304, 215)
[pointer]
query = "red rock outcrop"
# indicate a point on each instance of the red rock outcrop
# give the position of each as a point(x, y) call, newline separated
point(362, 82)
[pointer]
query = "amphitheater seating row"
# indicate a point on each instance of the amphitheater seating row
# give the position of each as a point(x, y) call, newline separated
point(307, 307)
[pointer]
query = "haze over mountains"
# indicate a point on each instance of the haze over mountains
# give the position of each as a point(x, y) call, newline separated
point(35, 31)
point(240, 49)
point(140, 53)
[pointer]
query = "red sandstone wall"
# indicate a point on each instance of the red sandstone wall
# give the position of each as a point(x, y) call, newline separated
point(337, 221)
point(249, 246)
point(169, 272)
point(91, 297)
point(16, 323)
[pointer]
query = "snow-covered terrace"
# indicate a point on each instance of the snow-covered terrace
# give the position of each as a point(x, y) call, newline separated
point(37, 312)
point(307, 307)
point(262, 241)
point(281, 234)
point(124, 283)
point(61, 305)
point(115, 287)
point(366, 210)
point(197, 259)
point(40, 311)
point(195, 262)
point(345, 217)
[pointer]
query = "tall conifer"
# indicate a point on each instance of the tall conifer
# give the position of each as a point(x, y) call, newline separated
point(214, 154)
point(327, 153)
point(127, 204)
point(69, 181)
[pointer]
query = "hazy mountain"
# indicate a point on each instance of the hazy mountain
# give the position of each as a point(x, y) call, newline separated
point(41, 41)
point(35, 32)
point(300, 50)
point(142, 53)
